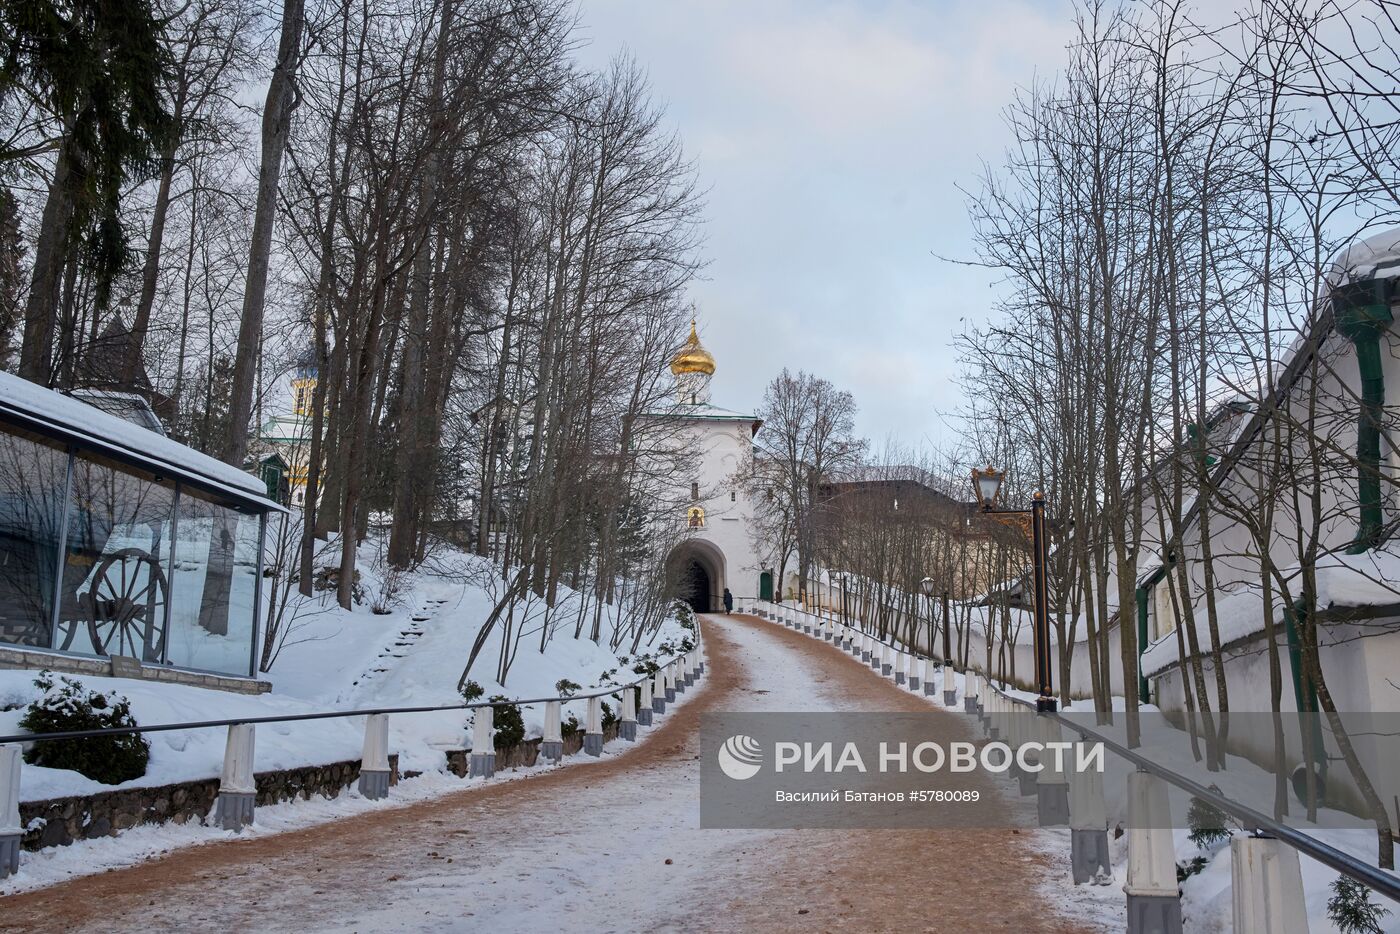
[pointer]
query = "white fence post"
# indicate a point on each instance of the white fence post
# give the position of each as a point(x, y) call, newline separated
point(1051, 786)
point(1266, 886)
point(1088, 824)
point(374, 757)
point(929, 686)
point(911, 670)
point(900, 667)
point(482, 761)
point(950, 684)
point(644, 703)
point(11, 830)
point(237, 791)
point(865, 647)
point(627, 726)
point(671, 683)
point(552, 742)
point(689, 669)
point(972, 685)
point(886, 659)
point(1154, 904)
point(658, 693)
point(593, 728)
point(678, 677)
point(1026, 729)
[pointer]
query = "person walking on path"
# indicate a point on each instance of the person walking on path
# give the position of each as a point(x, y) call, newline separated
point(728, 601)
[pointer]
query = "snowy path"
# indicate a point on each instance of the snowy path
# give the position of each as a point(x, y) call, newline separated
point(608, 846)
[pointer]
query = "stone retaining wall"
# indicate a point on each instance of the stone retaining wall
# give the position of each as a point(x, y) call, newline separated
point(60, 821)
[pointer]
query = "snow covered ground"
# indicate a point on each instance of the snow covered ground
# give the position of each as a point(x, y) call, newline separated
point(412, 655)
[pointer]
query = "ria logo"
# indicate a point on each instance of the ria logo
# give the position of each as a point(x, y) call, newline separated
point(740, 757)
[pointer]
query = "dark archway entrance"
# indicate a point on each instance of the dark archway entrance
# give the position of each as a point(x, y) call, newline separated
point(695, 574)
point(695, 587)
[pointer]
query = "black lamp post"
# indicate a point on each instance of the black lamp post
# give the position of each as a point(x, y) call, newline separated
point(987, 485)
point(927, 586)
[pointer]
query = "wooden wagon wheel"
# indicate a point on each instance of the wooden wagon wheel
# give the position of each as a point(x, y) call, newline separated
point(127, 605)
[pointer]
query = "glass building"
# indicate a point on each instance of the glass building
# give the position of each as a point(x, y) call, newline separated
point(115, 540)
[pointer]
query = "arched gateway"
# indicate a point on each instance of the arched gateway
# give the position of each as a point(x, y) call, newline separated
point(715, 524)
point(697, 573)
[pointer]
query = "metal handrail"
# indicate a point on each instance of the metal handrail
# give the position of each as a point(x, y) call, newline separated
point(1370, 876)
point(326, 715)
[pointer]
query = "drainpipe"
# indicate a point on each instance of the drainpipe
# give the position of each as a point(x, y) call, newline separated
point(1363, 312)
point(1144, 692)
point(1304, 693)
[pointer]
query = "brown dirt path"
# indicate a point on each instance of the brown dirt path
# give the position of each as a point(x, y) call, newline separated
point(610, 846)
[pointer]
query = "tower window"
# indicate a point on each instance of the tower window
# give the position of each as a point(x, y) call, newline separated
point(733, 496)
point(695, 491)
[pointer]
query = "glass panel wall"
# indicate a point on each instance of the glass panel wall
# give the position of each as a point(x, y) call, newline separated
point(213, 610)
point(33, 477)
point(116, 574)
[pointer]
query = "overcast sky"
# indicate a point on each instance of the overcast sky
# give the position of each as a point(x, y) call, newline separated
point(832, 136)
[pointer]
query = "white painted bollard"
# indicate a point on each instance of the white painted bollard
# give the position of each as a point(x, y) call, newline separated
point(971, 687)
point(929, 671)
point(886, 659)
point(552, 740)
point(593, 728)
point(237, 791)
point(1052, 784)
point(1088, 824)
point(658, 693)
point(644, 703)
point(1266, 886)
point(627, 726)
point(950, 684)
point(1153, 903)
point(671, 683)
point(689, 669)
point(374, 757)
point(829, 631)
point(865, 647)
point(900, 667)
point(11, 830)
point(678, 679)
point(482, 761)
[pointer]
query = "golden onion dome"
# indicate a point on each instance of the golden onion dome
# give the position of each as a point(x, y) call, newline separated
point(693, 358)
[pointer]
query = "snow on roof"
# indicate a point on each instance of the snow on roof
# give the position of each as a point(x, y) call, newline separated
point(1369, 579)
point(704, 411)
point(1375, 257)
point(93, 428)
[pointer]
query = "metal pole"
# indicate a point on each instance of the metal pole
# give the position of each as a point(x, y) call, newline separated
point(947, 636)
point(1046, 701)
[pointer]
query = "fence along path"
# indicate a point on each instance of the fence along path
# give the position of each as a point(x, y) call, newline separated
point(641, 700)
point(1266, 879)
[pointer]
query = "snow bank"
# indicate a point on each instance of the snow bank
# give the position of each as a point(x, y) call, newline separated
point(335, 659)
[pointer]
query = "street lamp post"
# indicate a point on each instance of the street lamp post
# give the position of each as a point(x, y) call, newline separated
point(987, 485)
point(927, 586)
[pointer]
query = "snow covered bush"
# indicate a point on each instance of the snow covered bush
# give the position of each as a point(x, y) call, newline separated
point(67, 705)
point(1350, 908)
point(509, 724)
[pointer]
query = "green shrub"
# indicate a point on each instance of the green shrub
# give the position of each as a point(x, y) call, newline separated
point(67, 705)
point(609, 718)
point(1208, 824)
point(509, 723)
point(566, 688)
point(1350, 908)
point(472, 692)
point(570, 727)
